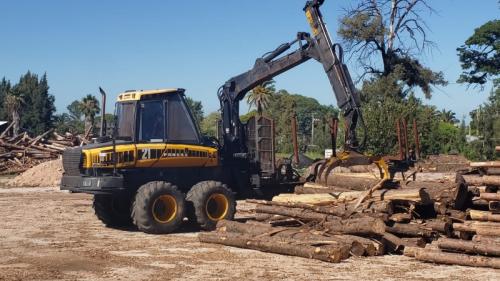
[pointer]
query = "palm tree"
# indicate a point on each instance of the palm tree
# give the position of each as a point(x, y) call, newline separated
point(13, 105)
point(89, 108)
point(448, 116)
point(261, 95)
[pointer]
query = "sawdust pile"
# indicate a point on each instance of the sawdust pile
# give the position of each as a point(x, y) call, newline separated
point(43, 175)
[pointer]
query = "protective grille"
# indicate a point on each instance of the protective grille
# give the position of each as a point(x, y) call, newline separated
point(72, 161)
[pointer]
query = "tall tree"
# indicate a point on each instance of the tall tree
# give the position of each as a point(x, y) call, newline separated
point(37, 112)
point(4, 90)
point(75, 110)
point(448, 116)
point(90, 108)
point(391, 32)
point(260, 96)
point(480, 55)
point(13, 105)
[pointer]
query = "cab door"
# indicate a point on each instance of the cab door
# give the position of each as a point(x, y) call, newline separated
point(151, 126)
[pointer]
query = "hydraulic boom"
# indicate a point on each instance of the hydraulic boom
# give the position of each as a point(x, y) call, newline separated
point(319, 47)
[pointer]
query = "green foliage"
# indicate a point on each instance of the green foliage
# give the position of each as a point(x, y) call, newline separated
point(261, 96)
point(75, 110)
point(208, 126)
point(282, 108)
point(245, 117)
point(480, 55)
point(36, 112)
point(485, 124)
point(64, 123)
point(72, 121)
point(196, 109)
point(90, 108)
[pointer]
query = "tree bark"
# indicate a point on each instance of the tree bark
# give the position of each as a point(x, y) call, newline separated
point(469, 247)
point(486, 239)
point(410, 230)
point(324, 253)
point(456, 259)
point(441, 226)
point(361, 226)
point(297, 213)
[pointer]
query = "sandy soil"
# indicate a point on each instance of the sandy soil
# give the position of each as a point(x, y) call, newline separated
point(47, 234)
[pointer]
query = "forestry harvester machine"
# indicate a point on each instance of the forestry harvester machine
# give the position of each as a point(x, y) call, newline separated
point(156, 169)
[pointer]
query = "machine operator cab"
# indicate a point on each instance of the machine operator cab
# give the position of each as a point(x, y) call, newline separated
point(155, 116)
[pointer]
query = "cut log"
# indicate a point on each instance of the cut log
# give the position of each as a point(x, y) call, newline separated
point(359, 245)
point(313, 188)
point(410, 230)
point(490, 196)
point(469, 247)
point(336, 210)
point(483, 215)
point(480, 228)
point(328, 254)
point(414, 195)
point(478, 180)
point(456, 259)
point(297, 213)
point(497, 148)
point(441, 226)
point(350, 181)
point(392, 243)
point(486, 239)
point(361, 226)
point(487, 164)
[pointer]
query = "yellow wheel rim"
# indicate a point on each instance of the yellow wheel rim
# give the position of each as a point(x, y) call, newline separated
point(217, 206)
point(164, 208)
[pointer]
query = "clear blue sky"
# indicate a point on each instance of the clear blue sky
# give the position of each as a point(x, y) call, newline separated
point(197, 45)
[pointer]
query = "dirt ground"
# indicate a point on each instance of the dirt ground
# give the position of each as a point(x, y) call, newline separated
point(48, 234)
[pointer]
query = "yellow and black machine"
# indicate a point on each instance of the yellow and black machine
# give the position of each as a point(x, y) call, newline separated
point(156, 168)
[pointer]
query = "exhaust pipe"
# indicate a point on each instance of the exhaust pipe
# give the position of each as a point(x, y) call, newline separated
point(103, 114)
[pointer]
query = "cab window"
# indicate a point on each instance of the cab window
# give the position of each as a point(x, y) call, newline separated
point(181, 127)
point(151, 121)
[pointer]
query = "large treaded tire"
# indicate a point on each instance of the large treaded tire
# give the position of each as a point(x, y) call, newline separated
point(148, 218)
point(199, 196)
point(112, 213)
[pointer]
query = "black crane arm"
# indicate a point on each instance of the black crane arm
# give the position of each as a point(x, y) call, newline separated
point(320, 48)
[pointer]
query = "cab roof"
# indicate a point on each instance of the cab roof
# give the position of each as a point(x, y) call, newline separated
point(132, 95)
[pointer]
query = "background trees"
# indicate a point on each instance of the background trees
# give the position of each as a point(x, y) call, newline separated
point(36, 113)
point(480, 57)
point(89, 108)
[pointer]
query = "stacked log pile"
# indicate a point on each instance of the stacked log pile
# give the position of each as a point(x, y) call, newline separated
point(19, 153)
point(430, 220)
